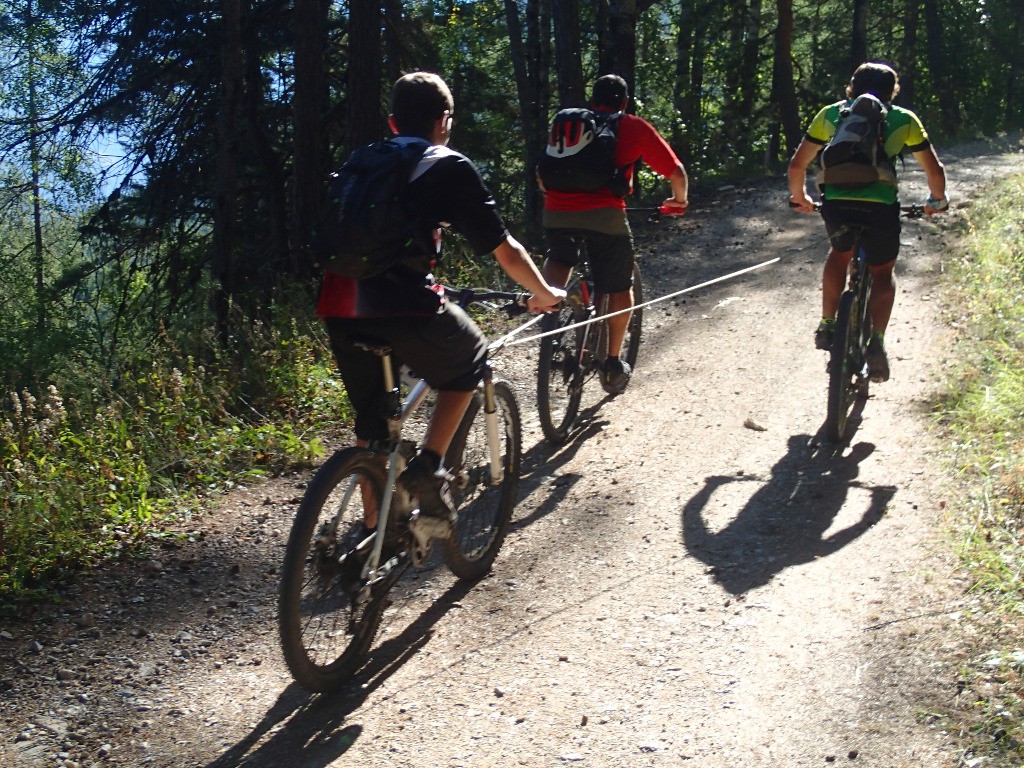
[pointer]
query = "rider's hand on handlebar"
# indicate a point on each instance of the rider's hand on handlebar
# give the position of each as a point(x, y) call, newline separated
point(803, 204)
point(931, 205)
point(672, 207)
point(545, 301)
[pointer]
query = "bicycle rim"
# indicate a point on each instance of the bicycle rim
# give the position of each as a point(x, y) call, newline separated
point(484, 505)
point(326, 629)
point(559, 379)
point(842, 368)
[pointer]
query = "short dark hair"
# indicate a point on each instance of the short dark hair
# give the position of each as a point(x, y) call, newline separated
point(418, 99)
point(876, 78)
point(610, 92)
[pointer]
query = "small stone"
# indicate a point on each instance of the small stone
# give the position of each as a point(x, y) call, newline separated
point(34, 646)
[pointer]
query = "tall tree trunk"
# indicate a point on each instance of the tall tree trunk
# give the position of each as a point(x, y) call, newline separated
point(309, 142)
point(568, 64)
point(940, 66)
point(35, 160)
point(365, 113)
point(783, 87)
point(908, 55)
point(393, 24)
point(681, 96)
point(619, 57)
point(532, 104)
point(225, 209)
point(859, 34)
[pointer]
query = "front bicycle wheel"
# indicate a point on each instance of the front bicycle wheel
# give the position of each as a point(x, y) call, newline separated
point(631, 342)
point(843, 368)
point(559, 378)
point(484, 503)
point(328, 616)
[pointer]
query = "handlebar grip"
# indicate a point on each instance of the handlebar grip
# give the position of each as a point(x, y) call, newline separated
point(667, 210)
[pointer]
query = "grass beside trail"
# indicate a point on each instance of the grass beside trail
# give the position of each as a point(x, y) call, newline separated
point(982, 416)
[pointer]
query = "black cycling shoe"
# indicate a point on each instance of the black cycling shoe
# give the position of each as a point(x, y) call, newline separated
point(431, 487)
point(878, 361)
point(823, 336)
point(615, 376)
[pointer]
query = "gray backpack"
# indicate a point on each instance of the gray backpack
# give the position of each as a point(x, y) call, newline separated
point(855, 156)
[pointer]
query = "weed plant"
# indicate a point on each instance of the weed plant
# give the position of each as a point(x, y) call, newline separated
point(88, 473)
point(983, 416)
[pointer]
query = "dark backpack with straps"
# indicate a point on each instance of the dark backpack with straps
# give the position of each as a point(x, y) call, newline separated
point(855, 156)
point(580, 153)
point(367, 224)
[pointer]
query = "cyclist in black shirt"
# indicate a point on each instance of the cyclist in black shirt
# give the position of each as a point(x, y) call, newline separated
point(406, 309)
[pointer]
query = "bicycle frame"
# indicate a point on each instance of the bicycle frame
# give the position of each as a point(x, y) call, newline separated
point(399, 450)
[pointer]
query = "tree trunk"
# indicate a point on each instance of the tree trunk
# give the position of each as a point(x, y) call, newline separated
point(859, 36)
point(940, 66)
point(532, 104)
point(309, 143)
point(365, 113)
point(568, 65)
point(225, 209)
point(783, 87)
point(908, 58)
point(619, 57)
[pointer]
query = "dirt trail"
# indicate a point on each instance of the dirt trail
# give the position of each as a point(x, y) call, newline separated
point(697, 578)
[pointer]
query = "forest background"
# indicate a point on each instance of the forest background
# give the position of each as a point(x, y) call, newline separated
point(162, 163)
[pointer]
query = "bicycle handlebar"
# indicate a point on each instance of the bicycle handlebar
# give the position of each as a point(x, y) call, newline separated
point(517, 302)
point(915, 211)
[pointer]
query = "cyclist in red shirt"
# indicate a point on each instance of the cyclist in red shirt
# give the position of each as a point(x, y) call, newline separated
point(596, 221)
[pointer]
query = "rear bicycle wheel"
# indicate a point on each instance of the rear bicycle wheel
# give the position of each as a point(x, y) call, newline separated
point(843, 368)
point(559, 378)
point(327, 615)
point(484, 504)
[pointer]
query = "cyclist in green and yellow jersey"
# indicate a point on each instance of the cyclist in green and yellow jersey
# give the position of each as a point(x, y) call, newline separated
point(875, 204)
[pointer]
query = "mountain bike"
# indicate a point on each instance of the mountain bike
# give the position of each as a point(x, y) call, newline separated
point(848, 378)
point(337, 575)
point(577, 346)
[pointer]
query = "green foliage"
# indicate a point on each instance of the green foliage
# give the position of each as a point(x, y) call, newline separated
point(982, 415)
point(88, 476)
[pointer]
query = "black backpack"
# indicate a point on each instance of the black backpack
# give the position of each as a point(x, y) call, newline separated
point(367, 224)
point(855, 156)
point(580, 153)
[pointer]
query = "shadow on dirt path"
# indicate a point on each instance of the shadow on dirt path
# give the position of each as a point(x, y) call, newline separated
point(787, 520)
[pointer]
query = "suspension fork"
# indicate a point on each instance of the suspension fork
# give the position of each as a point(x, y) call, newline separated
point(497, 468)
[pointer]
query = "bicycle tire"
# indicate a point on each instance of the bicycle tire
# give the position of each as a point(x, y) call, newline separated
point(631, 341)
point(326, 632)
point(559, 379)
point(841, 373)
point(484, 509)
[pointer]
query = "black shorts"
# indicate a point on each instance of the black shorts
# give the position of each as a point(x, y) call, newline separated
point(881, 222)
point(610, 256)
point(447, 350)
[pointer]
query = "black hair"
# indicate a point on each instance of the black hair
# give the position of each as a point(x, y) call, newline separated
point(418, 99)
point(876, 78)
point(610, 92)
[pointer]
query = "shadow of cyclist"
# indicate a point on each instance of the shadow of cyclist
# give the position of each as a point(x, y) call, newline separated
point(310, 730)
point(785, 521)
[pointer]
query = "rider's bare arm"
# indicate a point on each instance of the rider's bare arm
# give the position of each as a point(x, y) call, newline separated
point(797, 175)
point(936, 175)
point(516, 261)
point(680, 183)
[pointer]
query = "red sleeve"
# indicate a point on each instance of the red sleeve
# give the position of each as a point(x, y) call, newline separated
point(639, 140)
